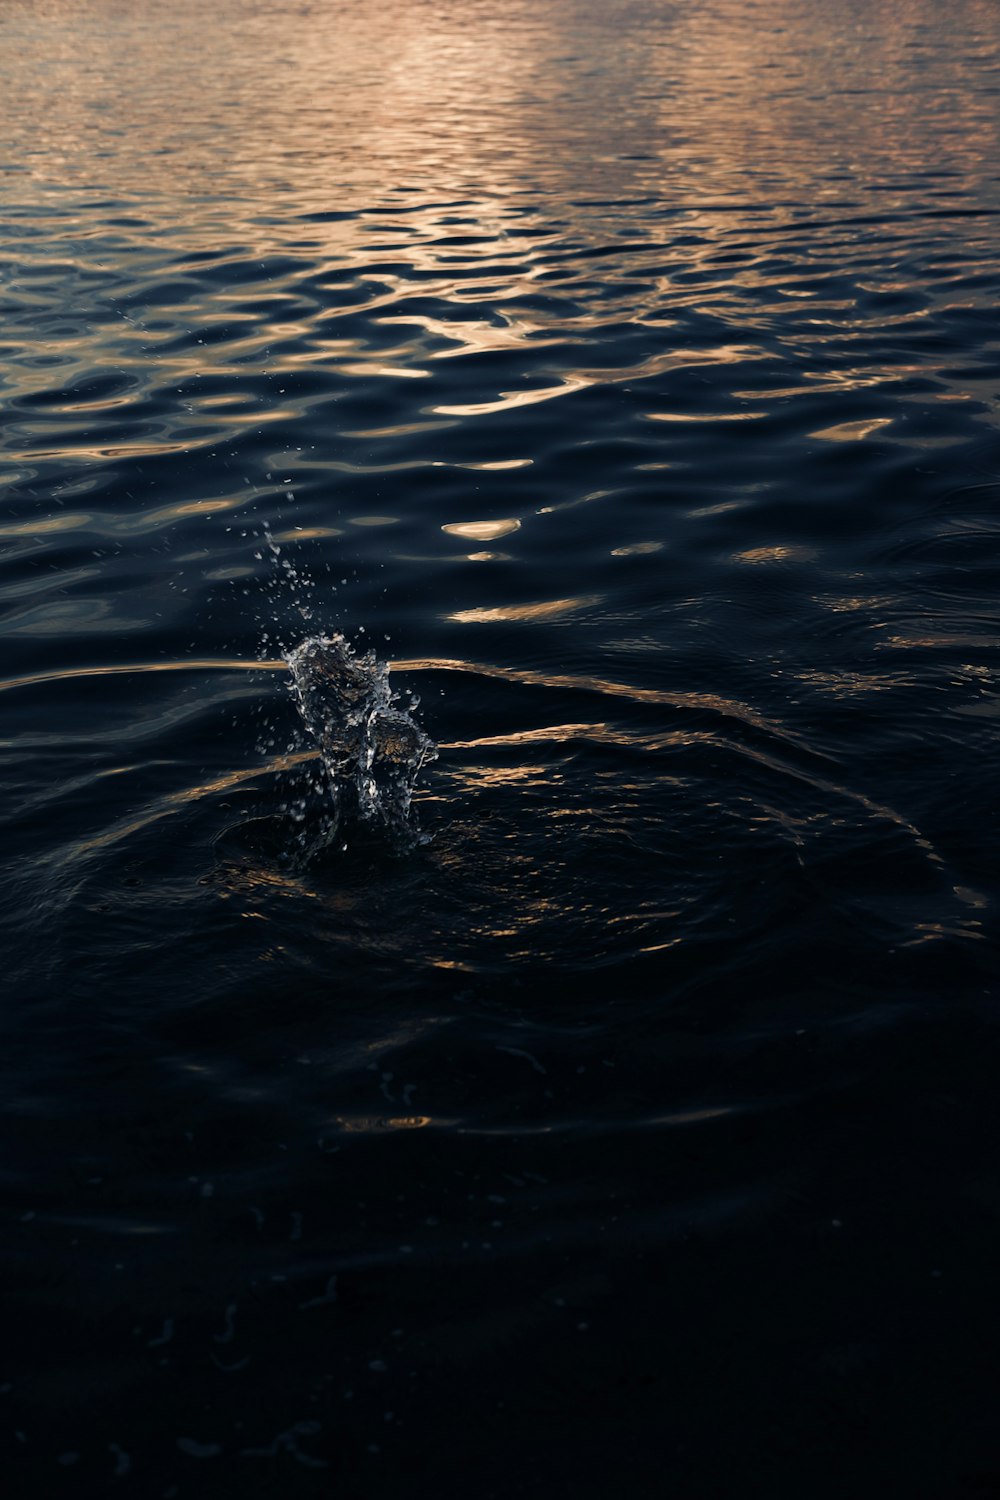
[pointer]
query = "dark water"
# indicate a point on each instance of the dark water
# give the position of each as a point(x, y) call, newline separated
point(625, 374)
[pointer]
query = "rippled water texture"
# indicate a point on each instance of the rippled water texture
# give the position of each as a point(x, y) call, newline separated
point(624, 374)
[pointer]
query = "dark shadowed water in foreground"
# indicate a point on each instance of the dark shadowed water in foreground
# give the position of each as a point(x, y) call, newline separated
point(621, 1117)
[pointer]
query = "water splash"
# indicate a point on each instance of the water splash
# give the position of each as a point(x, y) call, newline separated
point(371, 748)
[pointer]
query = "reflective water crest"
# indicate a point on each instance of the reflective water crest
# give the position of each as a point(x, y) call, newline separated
point(499, 777)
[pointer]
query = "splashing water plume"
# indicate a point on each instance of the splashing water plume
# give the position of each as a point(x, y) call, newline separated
point(371, 749)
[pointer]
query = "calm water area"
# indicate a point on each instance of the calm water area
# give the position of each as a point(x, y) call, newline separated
point(623, 1120)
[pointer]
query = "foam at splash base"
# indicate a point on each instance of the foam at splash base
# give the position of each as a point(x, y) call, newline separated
point(370, 747)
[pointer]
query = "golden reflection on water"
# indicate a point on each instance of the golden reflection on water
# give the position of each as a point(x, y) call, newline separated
point(501, 463)
point(852, 432)
point(721, 416)
point(754, 556)
point(473, 99)
point(379, 1124)
point(482, 531)
point(846, 686)
point(546, 609)
point(508, 400)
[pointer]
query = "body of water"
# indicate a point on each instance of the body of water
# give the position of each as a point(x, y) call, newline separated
point(621, 1118)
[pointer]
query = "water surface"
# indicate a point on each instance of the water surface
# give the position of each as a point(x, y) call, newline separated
point(626, 376)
